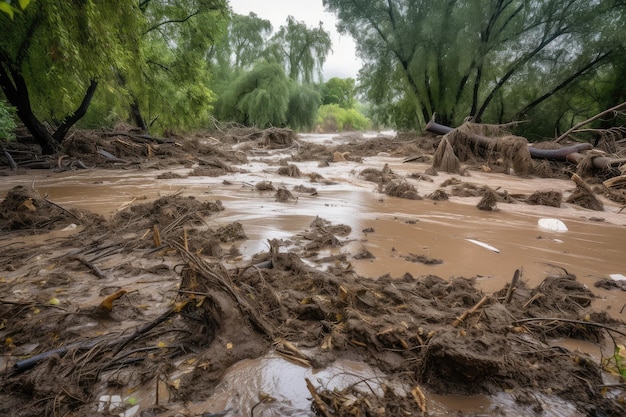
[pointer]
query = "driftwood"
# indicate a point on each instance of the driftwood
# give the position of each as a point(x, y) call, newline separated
point(569, 153)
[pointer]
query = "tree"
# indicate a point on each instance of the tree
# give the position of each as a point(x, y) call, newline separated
point(259, 97)
point(303, 51)
point(173, 87)
point(52, 56)
point(339, 91)
point(244, 42)
point(489, 59)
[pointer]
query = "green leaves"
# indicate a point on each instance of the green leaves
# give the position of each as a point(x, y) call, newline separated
point(8, 9)
point(489, 59)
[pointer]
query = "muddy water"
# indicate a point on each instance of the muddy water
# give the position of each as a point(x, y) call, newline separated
point(591, 249)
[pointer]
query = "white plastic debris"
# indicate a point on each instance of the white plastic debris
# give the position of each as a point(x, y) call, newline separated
point(617, 277)
point(130, 412)
point(553, 225)
point(484, 245)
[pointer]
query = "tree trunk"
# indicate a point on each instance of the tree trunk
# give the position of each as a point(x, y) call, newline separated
point(71, 120)
point(135, 113)
point(14, 88)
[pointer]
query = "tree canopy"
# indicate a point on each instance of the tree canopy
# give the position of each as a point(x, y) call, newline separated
point(493, 60)
point(303, 50)
point(52, 55)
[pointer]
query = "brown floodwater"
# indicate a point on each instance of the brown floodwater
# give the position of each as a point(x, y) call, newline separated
point(592, 248)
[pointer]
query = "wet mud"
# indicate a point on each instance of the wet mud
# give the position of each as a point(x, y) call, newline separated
point(162, 279)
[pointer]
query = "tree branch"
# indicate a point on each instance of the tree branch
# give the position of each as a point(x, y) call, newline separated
point(165, 22)
point(591, 119)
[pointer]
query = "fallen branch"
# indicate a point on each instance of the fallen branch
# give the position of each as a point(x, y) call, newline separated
point(591, 119)
point(569, 153)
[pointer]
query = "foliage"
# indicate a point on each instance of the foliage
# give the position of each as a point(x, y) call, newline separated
point(7, 124)
point(5, 7)
point(259, 97)
point(333, 118)
point(244, 43)
point(58, 47)
point(172, 90)
point(301, 49)
point(490, 59)
point(340, 91)
point(302, 108)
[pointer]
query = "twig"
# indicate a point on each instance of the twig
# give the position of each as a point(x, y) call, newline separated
point(586, 323)
point(63, 209)
point(96, 271)
point(511, 290)
point(317, 400)
point(472, 310)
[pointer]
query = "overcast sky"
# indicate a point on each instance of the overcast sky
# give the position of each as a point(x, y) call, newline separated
point(341, 62)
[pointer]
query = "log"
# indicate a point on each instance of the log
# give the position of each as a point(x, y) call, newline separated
point(569, 153)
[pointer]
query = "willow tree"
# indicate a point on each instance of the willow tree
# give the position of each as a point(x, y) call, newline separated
point(52, 56)
point(173, 87)
point(244, 42)
point(301, 49)
point(489, 59)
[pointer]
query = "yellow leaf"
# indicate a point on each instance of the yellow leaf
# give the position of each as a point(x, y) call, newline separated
point(9, 342)
point(4, 7)
point(161, 345)
point(24, 3)
point(107, 303)
point(229, 345)
point(54, 301)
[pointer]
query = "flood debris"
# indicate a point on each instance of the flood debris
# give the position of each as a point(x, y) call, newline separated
point(402, 189)
point(489, 200)
point(24, 208)
point(152, 295)
point(551, 198)
point(583, 195)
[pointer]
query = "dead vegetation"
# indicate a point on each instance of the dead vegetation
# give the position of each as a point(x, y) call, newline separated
point(173, 305)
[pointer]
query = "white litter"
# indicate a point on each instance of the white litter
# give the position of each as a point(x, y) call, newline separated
point(553, 225)
point(484, 245)
point(617, 277)
point(130, 412)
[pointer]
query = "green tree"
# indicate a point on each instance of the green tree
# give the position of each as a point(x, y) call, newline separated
point(52, 56)
point(259, 97)
point(489, 59)
point(341, 91)
point(302, 107)
point(301, 49)
point(244, 42)
point(173, 87)
point(237, 50)
point(7, 124)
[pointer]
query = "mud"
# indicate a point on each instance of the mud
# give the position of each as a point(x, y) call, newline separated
point(171, 278)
